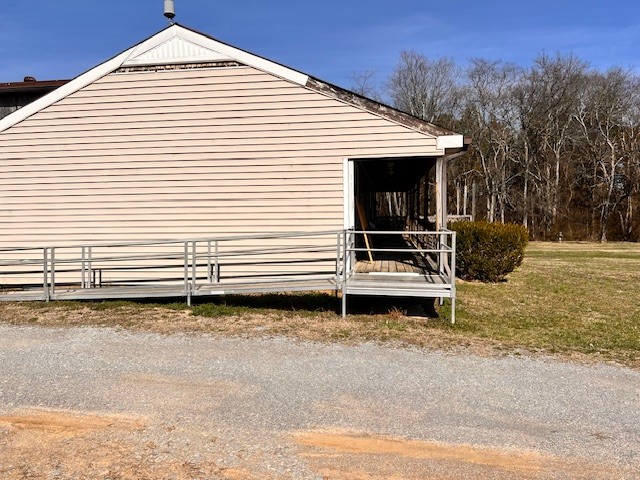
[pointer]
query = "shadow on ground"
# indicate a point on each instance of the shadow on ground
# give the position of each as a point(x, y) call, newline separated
point(324, 302)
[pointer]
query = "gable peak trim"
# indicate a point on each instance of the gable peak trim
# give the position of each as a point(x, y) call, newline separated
point(176, 50)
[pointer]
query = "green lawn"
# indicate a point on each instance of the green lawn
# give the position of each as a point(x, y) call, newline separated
point(566, 298)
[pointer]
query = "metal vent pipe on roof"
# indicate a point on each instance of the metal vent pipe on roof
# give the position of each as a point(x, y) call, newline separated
point(169, 9)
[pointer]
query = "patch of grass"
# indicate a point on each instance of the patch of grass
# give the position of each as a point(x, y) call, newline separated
point(395, 325)
point(217, 310)
point(341, 334)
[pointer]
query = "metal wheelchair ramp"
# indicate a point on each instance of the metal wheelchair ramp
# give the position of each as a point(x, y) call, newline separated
point(424, 266)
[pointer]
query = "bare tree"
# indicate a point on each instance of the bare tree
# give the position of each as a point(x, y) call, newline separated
point(555, 146)
point(365, 84)
point(547, 100)
point(609, 134)
point(491, 119)
point(559, 81)
point(424, 88)
point(630, 174)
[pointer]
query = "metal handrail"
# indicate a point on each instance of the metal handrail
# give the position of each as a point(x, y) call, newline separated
point(270, 251)
point(403, 232)
point(193, 255)
point(180, 241)
point(446, 252)
point(401, 250)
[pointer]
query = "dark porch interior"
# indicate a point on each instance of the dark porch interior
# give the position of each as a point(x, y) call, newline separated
point(393, 194)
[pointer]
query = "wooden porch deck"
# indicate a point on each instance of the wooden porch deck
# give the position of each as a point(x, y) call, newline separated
point(389, 266)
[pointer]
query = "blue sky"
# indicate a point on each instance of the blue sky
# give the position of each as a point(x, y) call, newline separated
point(330, 39)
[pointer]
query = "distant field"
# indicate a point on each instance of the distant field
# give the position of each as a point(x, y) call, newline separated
point(579, 300)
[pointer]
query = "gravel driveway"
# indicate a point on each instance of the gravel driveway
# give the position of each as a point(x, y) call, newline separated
point(99, 403)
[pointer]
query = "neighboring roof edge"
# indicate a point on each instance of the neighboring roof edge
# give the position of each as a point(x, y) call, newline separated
point(446, 139)
point(28, 86)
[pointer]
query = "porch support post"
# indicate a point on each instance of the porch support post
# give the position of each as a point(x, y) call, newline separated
point(438, 193)
point(441, 193)
point(453, 308)
point(441, 209)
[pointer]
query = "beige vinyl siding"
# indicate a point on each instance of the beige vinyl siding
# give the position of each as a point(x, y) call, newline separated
point(186, 153)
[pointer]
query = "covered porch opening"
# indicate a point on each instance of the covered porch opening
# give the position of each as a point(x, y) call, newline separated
point(393, 195)
point(396, 242)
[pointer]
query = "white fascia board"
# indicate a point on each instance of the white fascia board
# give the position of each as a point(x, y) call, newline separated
point(83, 80)
point(244, 57)
point(64, 91)
point(449, 141)
point(129, 55)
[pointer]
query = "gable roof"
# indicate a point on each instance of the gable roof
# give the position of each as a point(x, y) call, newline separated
point(179, 45)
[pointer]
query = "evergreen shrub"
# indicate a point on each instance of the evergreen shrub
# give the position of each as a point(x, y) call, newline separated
point(488, 251)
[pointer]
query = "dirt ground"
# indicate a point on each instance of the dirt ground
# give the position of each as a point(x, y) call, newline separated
point(46, 444)
point(43, 444)
point(333, 455)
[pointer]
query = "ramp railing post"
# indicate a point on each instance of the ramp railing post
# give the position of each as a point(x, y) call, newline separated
point(187, 292)
point(453, 278)
point(345, 255)
point(52, 264)
point(440, 254)
point(345, 266)
point(194, 265)
point(45, 274)
point(216, 266)
point(83, 281)
point(338, 259)
point(209, 267)
point(352, 255)
point(90, 283)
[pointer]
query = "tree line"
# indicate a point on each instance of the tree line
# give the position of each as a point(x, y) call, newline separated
point(555, 145)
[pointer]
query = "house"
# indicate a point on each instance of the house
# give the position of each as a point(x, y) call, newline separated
point(16, 95)
point(184, 162)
